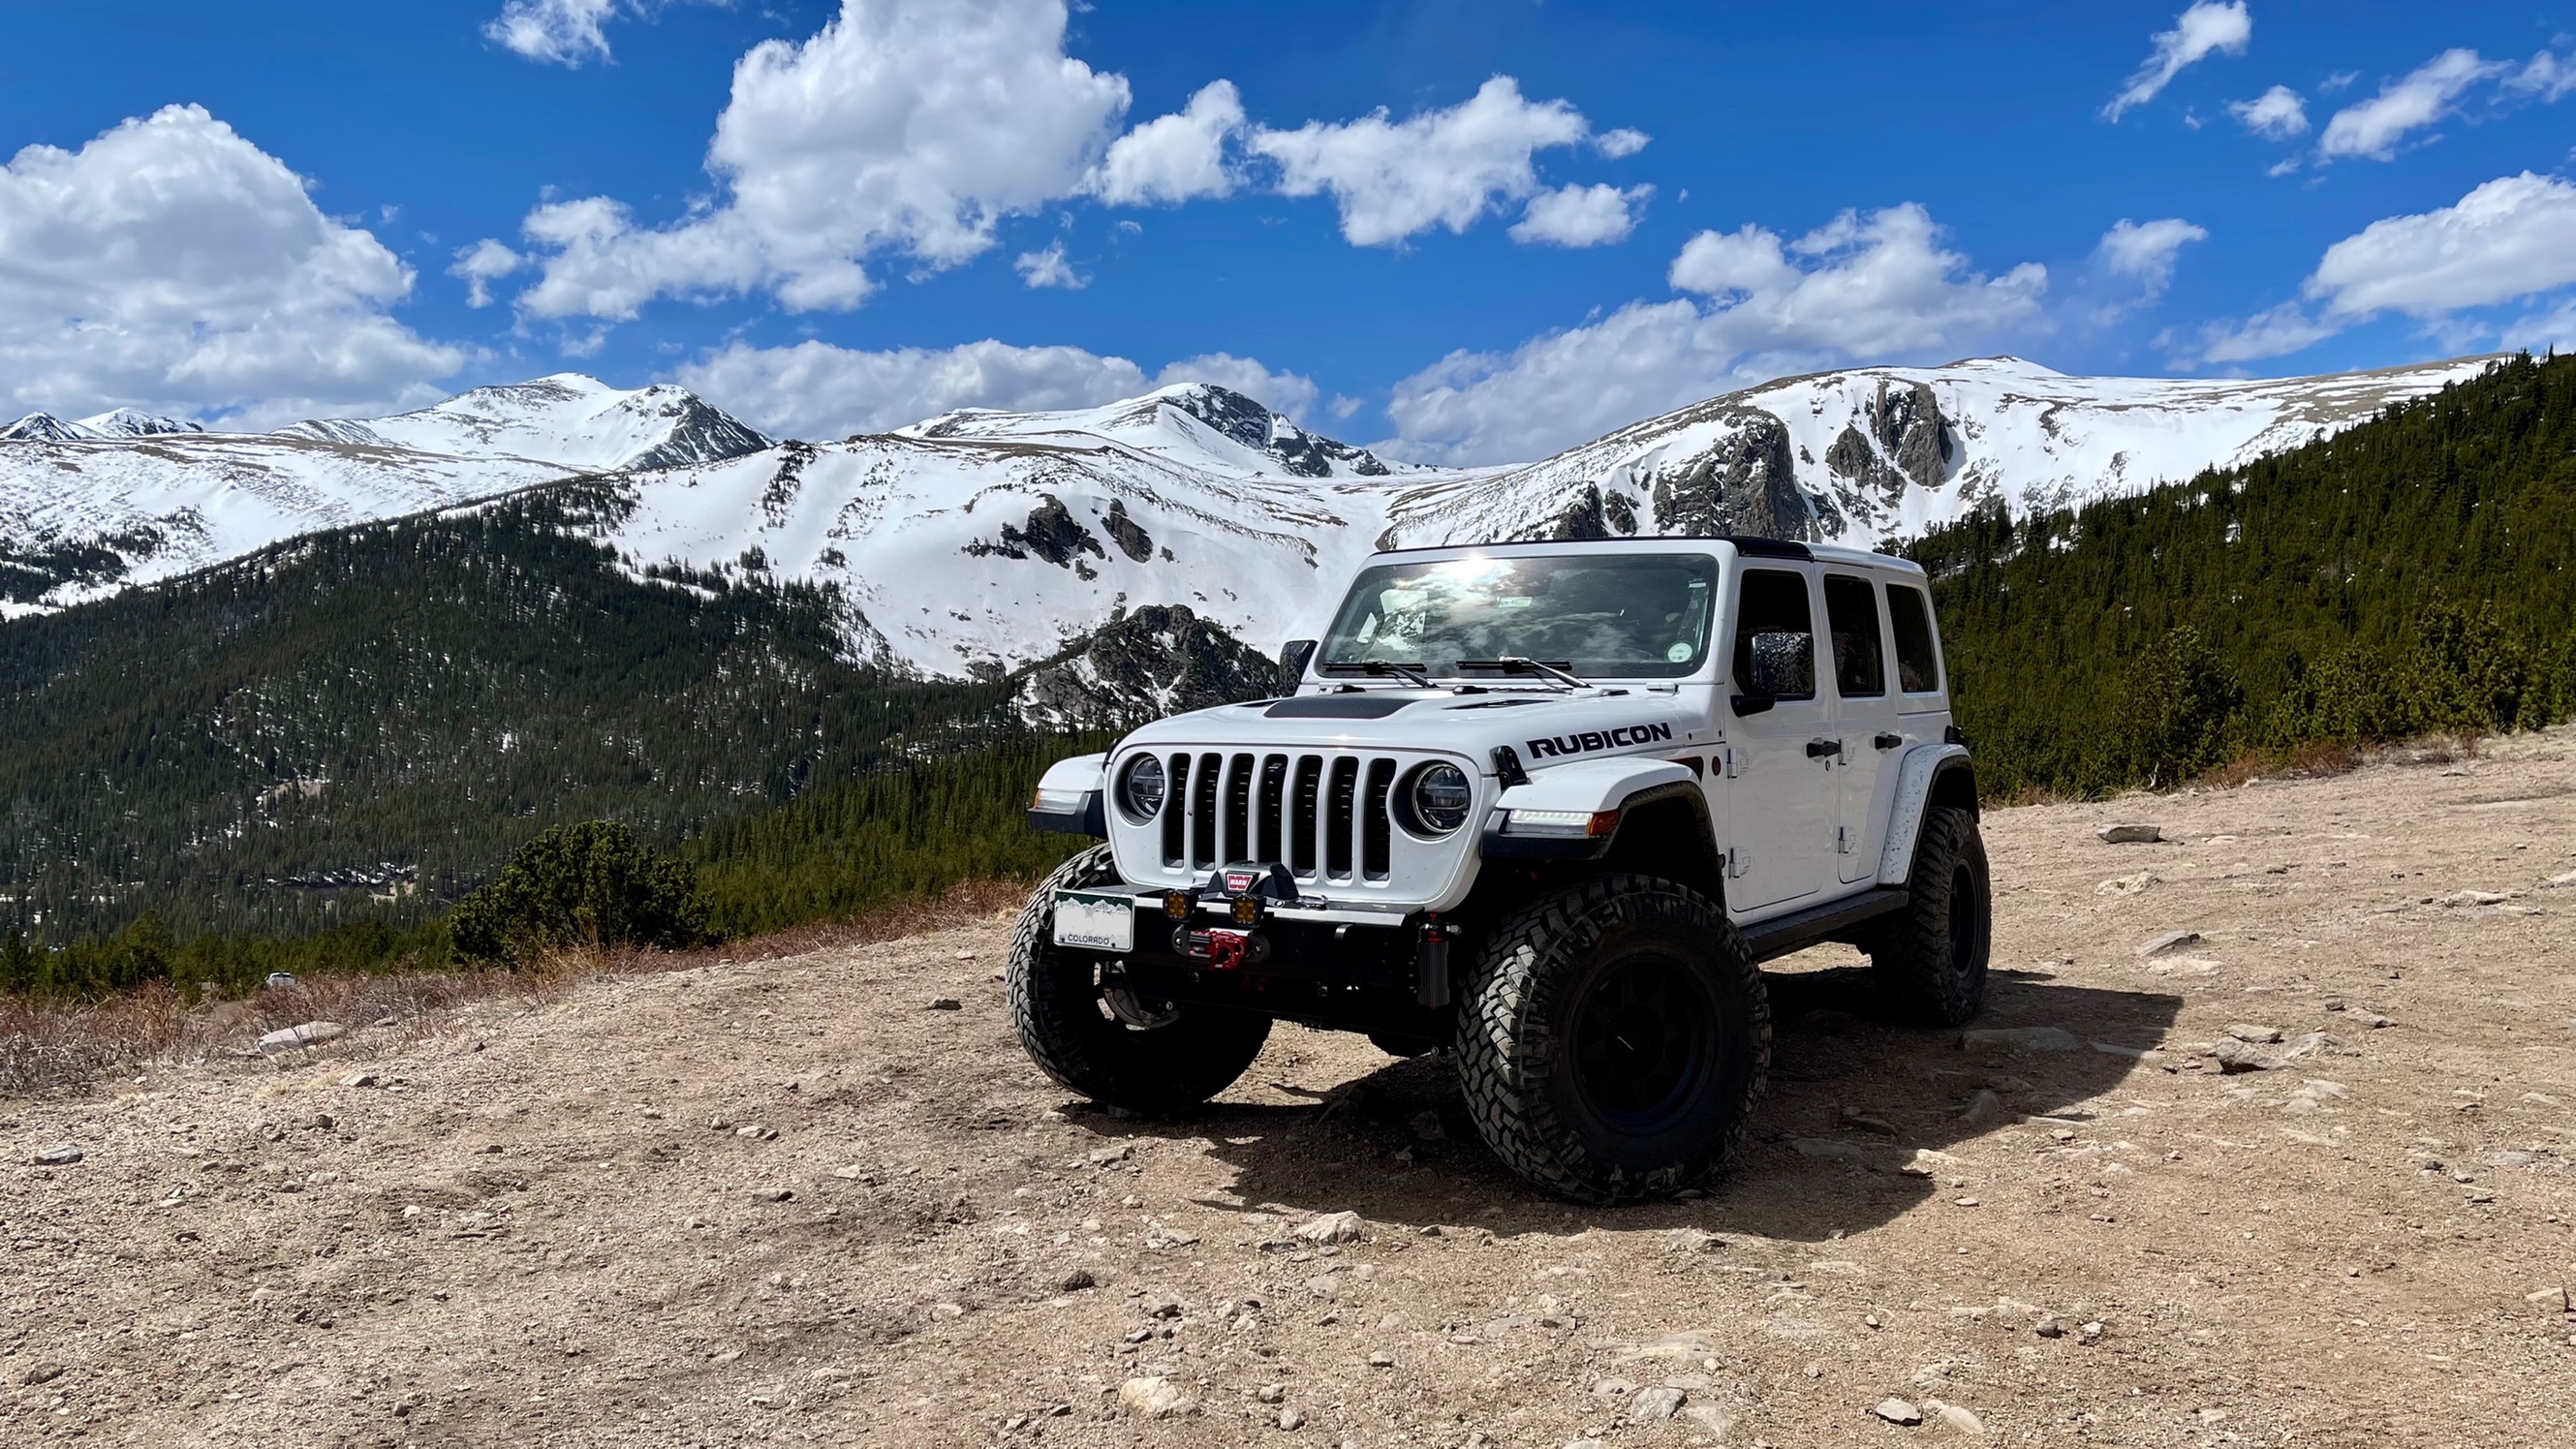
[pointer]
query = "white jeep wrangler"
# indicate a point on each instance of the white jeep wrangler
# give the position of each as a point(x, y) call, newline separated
point(1543, 805)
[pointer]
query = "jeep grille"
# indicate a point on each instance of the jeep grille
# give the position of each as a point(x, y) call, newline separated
point(1323, 815)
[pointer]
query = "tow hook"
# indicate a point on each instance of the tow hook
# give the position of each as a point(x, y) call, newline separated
point(1431, 963)
point(1221, 949)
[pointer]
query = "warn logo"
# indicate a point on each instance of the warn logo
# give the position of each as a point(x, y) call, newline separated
point(1591, 740)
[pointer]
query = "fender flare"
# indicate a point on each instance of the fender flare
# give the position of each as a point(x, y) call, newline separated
point(1587, 787)
point(1072, 797)
point(1925, 767)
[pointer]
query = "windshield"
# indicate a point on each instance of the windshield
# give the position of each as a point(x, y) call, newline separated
point(1617, 616)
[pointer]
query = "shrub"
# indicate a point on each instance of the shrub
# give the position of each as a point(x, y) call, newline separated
point(592, 884)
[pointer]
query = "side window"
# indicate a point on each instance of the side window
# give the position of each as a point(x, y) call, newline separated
point(1769, 601)
point(1851, 609)
point(1918, 662)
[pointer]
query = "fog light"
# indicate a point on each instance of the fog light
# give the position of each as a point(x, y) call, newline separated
point(1176, 904)
point(1247, 910)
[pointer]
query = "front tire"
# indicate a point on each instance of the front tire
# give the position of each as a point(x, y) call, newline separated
point(1093, 1037)
point(1931, 959)
point(1614, 1040)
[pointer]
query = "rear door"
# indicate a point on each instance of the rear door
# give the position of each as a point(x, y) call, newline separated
point(1865, 721)
point(1780, 792)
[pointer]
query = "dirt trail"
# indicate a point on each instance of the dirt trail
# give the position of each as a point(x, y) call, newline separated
point(787, 1202)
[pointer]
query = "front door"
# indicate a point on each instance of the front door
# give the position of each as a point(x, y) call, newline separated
point(1780, 785)
point(1865, 723)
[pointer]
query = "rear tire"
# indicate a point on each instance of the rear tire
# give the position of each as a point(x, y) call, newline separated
point(1068, 1026)
point(1931, 959)
point(1614, 1040)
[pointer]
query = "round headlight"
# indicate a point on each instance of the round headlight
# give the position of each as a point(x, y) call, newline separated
point(1441, 798)
point(1141, 788)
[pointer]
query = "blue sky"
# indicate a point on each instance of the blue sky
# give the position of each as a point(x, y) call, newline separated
point(1571, 216)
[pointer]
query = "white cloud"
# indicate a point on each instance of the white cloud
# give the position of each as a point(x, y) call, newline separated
point(1874, 286)
point(2146, 250)
point(2276, 332)
point(1048, 268)
point(1284, 392)
point(565, 32)
point(1623, 141)
point(2503, 242)
point(1174, 158)
point(482, 264)
point(171, 265)
point(2509, 238)
point(817, 390)
point(2545, 76)
point(2278, 114)
point(2422, 97)
point(1449, 168)
point(2544, 331)
point(903, 126)
point(1581, 216)
point(2206, 29)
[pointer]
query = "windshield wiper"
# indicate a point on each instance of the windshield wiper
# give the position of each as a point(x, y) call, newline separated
point(1381, 668)
point(1514, 664)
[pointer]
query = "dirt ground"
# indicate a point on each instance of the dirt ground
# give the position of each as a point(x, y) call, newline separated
point(790, 1202)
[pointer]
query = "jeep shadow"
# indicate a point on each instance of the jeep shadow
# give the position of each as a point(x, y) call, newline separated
point(1851, 1099)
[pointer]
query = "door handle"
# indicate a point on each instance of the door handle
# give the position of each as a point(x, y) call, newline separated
point(1888, 742)
point(1818, 749)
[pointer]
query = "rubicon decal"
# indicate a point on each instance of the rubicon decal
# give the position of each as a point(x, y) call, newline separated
point(1591, 740)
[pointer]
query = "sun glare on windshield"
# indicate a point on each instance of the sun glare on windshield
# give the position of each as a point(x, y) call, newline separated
point(1633, 616)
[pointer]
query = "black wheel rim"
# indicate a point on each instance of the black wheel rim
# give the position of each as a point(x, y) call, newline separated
point(1963, 920)
point(1644, 1039)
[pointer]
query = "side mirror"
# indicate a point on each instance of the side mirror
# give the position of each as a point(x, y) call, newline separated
point(1784, 666)
point(1294, 656)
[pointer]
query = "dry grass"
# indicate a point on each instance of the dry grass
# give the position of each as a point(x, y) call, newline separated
point(50, 1046)
point(2319, 760)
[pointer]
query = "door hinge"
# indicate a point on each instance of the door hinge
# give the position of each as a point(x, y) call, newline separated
point(1734, 763)
point(1842, 840)
point(1738, 861)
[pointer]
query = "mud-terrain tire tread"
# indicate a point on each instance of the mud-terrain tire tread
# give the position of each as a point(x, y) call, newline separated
point(1153, 1073)
point(1911, 958)
point(1504, 1045)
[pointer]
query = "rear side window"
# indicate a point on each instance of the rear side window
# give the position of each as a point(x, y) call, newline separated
point(1769, 601)
point(1918, 661)
point(1851, 610)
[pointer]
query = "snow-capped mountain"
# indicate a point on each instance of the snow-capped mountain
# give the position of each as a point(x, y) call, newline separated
point(987, 540)
point(118, 423)
point(1879, 455)
point(983, 540)
point(120, 499)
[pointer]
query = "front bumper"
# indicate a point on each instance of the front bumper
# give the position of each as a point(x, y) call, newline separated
point(1306, 959)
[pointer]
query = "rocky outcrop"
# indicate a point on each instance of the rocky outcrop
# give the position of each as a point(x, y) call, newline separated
point(1596, 514)
point(1052, 533)
point(699, 434)
point(1127, 533)
point(1908, 441)
point(1142, 666)
point(1254, 425)
point(1747, 482)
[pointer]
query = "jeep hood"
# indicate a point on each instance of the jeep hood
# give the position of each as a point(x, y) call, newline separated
point(1543, 729)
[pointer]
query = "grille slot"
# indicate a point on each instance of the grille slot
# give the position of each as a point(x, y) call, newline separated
point(1203, 811)
point(1270, 807)
point(1176, 796)
point(1303, 797)
point(1376, 844)
point(1236, 844)
point(1341, 800)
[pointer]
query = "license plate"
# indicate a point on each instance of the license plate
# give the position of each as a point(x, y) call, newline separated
point(1090, 921)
